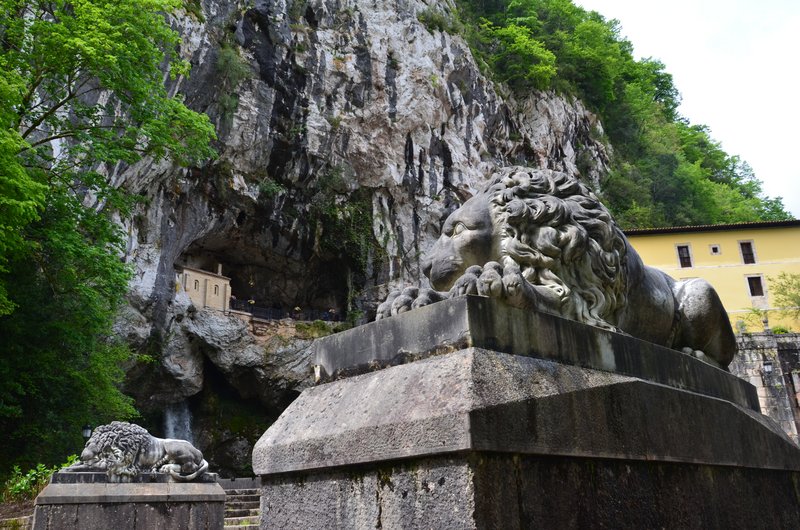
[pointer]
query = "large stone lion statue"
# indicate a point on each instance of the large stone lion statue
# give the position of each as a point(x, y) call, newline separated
point(123, 450)
point(539, 239)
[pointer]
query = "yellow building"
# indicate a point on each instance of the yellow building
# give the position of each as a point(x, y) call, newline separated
point(739, 260)
point(206, 289)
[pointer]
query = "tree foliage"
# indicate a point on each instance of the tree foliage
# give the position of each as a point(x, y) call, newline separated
point(81, 92)
point(786, 291)
point(666, 172)
point(519, 59)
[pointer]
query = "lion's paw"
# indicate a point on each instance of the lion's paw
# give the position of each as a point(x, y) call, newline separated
point(468, 282)
point(697, 354)
point(491, 281)
point(428, 297)
point(167, 468)
point(518, 291)
point(385, 308)
point(403, 302)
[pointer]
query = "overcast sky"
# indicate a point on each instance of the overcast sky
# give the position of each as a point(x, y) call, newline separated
point(736, 64)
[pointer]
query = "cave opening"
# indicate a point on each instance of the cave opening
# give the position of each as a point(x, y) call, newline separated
point(268, 281)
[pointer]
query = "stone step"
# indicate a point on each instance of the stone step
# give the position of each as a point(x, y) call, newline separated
point(17, 523)
point(248, 497)
point(245, 527)
point(247, 491)
point(239, 522)
point(242, 512)
point(238, 505)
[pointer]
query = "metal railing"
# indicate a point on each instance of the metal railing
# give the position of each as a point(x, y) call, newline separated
point(272, 313)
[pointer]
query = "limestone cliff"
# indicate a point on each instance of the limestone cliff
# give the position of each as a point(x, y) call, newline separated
point(347, 132)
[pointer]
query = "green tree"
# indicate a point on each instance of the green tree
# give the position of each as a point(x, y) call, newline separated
point(665, 171)
point(519, 59)
point(82, 91)
point(786, 291)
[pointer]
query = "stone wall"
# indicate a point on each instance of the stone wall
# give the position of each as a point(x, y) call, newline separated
point(771, 363)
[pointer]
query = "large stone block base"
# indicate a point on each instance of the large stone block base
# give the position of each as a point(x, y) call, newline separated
point(494, 491)
point(523, 421)
point(140, 506)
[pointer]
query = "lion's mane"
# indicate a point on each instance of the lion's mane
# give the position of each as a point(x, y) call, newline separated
point(129, 438)
point(562, 238)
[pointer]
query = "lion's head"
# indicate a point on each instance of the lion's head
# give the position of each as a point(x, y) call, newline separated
point(552, 227)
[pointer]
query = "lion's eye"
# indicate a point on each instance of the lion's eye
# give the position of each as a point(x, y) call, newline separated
point(458, 228)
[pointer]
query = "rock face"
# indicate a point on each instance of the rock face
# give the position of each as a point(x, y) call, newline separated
point(347, 132)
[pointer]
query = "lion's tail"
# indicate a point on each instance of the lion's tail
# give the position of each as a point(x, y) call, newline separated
point(186, 478)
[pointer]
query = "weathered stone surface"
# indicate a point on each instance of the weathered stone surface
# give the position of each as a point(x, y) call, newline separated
point(488, 323)
point(431, 493)
point(776, 387)
point(273, 376)
point(490, 491)
point(96, 477)
point(362, 91)
point(503, 438)
point(135, 506)
point(478, 400)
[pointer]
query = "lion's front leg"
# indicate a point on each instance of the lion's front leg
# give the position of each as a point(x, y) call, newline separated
point(508, 284)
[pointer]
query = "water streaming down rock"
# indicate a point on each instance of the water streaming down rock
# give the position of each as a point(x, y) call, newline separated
point(178, 421)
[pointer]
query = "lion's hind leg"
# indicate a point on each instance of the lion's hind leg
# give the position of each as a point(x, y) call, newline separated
point(704, 328)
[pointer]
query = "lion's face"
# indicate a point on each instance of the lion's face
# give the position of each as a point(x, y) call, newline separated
point(468, 238)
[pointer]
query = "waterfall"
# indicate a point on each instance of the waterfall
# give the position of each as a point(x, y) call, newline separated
point(178, 421)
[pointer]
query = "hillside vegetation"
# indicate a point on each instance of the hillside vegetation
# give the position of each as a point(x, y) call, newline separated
point(666, 171)
point(61, 276)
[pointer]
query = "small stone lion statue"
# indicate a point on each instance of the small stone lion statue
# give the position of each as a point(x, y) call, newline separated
point(123, 450)
point(539, 239)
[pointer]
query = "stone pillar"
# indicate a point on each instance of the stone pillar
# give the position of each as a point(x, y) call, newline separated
point(470, 414)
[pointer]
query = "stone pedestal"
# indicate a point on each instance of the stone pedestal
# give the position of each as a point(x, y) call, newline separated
point(88, 502)
point(484, 416)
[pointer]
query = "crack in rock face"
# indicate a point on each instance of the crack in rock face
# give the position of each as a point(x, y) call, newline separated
point(347, 135)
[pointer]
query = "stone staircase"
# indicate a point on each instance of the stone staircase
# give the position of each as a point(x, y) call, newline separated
point(242, 509)
point(17, 523)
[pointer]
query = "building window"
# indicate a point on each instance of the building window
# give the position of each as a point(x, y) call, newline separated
point(756, 285)
point(216, 290)
point(196, 285)
point(715, 250)
point(684, 256)
point(748, 254)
